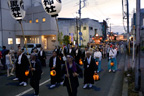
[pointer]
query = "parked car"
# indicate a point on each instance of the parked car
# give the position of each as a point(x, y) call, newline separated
point(32, 46)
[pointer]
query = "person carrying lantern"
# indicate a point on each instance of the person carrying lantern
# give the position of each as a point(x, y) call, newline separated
point(22, 65)
point(98, 57)
point(36, 71)
point(112, 64)
point(55, 70)
point(71, 71)
point(90, 69)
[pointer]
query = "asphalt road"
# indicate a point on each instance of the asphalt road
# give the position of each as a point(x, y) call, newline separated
point(110, 84)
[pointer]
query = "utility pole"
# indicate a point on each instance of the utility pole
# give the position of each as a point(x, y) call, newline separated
point(133, 56)
point(77, 30)
point(79, 12)
point(80, 19)
point(137, 69)
point(128, 25)
point(1, 23)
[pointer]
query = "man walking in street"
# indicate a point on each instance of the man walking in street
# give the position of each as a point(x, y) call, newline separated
point(42, 57)
point(36, 73)
point(22, 67)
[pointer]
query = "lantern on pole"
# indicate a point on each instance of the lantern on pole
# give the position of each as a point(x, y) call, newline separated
point(52, 7)
point(17, 9)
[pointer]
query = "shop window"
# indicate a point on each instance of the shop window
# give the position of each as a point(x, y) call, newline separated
point(17, 40)
point(10, 41)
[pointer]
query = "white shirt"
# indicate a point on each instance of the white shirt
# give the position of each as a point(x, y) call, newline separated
point(19, 59)
point(113, 53)
point(55, 49)
point(34, 62)
point(41, 53)
point(54, 62)
point(77, 52)
point(98, 54)
point(89, 60)
point(70, 50)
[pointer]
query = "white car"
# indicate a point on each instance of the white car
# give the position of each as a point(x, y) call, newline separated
point(31, 46)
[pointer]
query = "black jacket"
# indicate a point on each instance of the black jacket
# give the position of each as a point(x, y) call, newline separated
point(38, 70)
point(74, 80)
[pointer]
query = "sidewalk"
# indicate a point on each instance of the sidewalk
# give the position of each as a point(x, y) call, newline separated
point(142, 72)
point(128, 65)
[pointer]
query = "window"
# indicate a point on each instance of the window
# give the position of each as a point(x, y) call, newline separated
point(36, 20)
point(10, 41)
point(84, 28)
point(44, 19)
point(91, 28)
point(91, 36)
point(17, 40)
point(30, 21)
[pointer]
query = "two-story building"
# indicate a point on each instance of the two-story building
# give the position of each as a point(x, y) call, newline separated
point(38, 26)
point(89, 27)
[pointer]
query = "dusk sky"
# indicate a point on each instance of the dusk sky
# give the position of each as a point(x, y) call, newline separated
point(99, 10)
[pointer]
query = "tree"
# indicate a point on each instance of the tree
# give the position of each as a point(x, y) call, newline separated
point(66, 39)
point(60, 38)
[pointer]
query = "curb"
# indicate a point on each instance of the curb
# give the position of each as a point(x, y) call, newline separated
point(125, 87)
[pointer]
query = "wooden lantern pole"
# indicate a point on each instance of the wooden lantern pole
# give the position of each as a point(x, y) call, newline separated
point(64, 55)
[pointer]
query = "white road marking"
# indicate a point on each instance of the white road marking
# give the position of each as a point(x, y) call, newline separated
point(30, 89)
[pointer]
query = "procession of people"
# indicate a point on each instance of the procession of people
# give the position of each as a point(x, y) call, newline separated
point(67, 64)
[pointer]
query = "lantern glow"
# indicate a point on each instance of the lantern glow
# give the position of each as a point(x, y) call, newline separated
point(80, 62)
point(53, 73)
point(26, 73)
point(112, 63)
point(96, 77)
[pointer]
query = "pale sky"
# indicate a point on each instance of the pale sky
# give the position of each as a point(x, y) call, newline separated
point(99, 10)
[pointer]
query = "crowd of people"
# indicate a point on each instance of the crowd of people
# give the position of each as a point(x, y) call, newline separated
point(65, 65)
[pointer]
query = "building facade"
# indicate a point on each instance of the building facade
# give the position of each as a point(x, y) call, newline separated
point(38, 26)
point(90, 27)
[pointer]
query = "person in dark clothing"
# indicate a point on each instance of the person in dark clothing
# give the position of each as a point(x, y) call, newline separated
point(84, 53)
point(22, 66)
point(57, 50)
point(55, 64)
point(77, 54)
point(16, 66)
point(42, 57)
point(71, 51)
point(3, 61)
point(36, 72)
point(89, 69)
point(74, 71)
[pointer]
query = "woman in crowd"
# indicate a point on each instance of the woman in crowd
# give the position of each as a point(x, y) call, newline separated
point(73, 72)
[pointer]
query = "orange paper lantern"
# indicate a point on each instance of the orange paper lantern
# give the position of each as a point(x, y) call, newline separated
point(80, 62)
point(97, 63)
point(60, 58)
point(112, 63)
point(53, 73)
point(26, 73)
point(96, 77)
